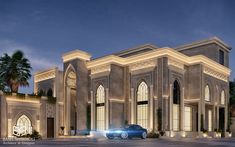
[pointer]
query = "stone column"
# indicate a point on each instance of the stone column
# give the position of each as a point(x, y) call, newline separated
point(151, 109)
point(203, 111)
point(226, 115)
point(67, 111)
point(107, 108)
point(170, 109)
point(9, 123)
point(182, 110)
point(199, 117)
point(92, 112)
point(132, 107)
point(214, 117)
point(217, 113)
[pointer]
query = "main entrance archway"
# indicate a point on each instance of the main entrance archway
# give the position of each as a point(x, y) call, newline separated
point(71, 102)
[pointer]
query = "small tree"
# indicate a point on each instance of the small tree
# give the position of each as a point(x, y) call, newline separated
point(49, 92)
point(15, 70)
point(40, 92)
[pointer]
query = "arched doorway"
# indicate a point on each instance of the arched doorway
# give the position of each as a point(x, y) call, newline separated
point(23, 126)
point(71, 102)
point(176, 106)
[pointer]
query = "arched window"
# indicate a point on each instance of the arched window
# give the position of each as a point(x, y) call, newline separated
point(23, 126)
point(142, 105)
point(222, 98)
point(176, 103)
point(207, 93)
point(176, 93)
point(100, 108)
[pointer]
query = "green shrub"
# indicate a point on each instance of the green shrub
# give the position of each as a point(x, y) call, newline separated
point(20, 95)
point(35, 135)
point(49, 92)
point(51, 100)
point(162, 133)
point(153, 135)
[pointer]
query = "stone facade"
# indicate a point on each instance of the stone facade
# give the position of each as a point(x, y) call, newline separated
point(187, 84)
point(16, 111)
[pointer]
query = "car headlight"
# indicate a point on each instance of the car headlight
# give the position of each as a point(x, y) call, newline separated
point(118, 131)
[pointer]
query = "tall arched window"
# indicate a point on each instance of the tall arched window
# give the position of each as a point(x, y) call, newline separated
point(207, 93)
point(23, 126)
point(176, 106)
point(222, 98)
point(100, 108)
point(142, 105)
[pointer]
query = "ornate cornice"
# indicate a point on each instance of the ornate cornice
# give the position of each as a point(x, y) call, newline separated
point(175, 63)
point(143, 65)
point(100, 69)
point(213, 73)
point(158, 53)
point(45, 75)
point(76, 54)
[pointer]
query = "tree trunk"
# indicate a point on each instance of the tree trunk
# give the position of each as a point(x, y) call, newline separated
point(14, 88)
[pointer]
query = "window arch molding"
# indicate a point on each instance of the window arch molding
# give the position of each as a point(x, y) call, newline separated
point(70, 68)
point(142, 91)
point(207, 94)
point(26, 113)
point(176, 91)
point(222, 97)
point(100, 94)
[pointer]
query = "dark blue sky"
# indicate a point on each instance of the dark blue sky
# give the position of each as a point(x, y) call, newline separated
point(45, 29)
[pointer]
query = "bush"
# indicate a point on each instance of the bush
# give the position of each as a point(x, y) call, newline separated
point(217, 130)
point(204, 130)
point(153, 135)
point(49, 92)
point(20, 95)
point(35, 135)
point(162, 133)
point(51, 100)
point(41, 93)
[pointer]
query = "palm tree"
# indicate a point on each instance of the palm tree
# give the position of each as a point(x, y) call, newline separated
point(15, 70)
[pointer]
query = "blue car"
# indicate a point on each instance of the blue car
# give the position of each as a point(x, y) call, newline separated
point(129, 131)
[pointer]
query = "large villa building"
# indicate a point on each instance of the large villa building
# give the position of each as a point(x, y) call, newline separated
point(182, 91)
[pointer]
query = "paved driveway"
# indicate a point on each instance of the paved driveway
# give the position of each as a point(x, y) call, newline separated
point(162, 142)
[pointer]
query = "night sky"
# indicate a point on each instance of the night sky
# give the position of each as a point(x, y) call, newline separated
point(45, 29)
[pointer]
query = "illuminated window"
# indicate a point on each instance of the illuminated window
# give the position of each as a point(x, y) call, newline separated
point(207, 93)
point(187, 118)
point(100, 108)
point(222, 98)
point(23, 126)
point(142, 105)
point(176, 104)
point(209, 120)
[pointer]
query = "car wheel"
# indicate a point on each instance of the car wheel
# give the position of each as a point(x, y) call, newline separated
point(124, 135)
point(144, 135)
point(110, 137)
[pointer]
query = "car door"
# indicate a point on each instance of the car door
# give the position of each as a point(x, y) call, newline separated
point(131, 131)
point(139, 131)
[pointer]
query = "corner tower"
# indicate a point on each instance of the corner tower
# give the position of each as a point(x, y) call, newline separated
point(75, 83)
